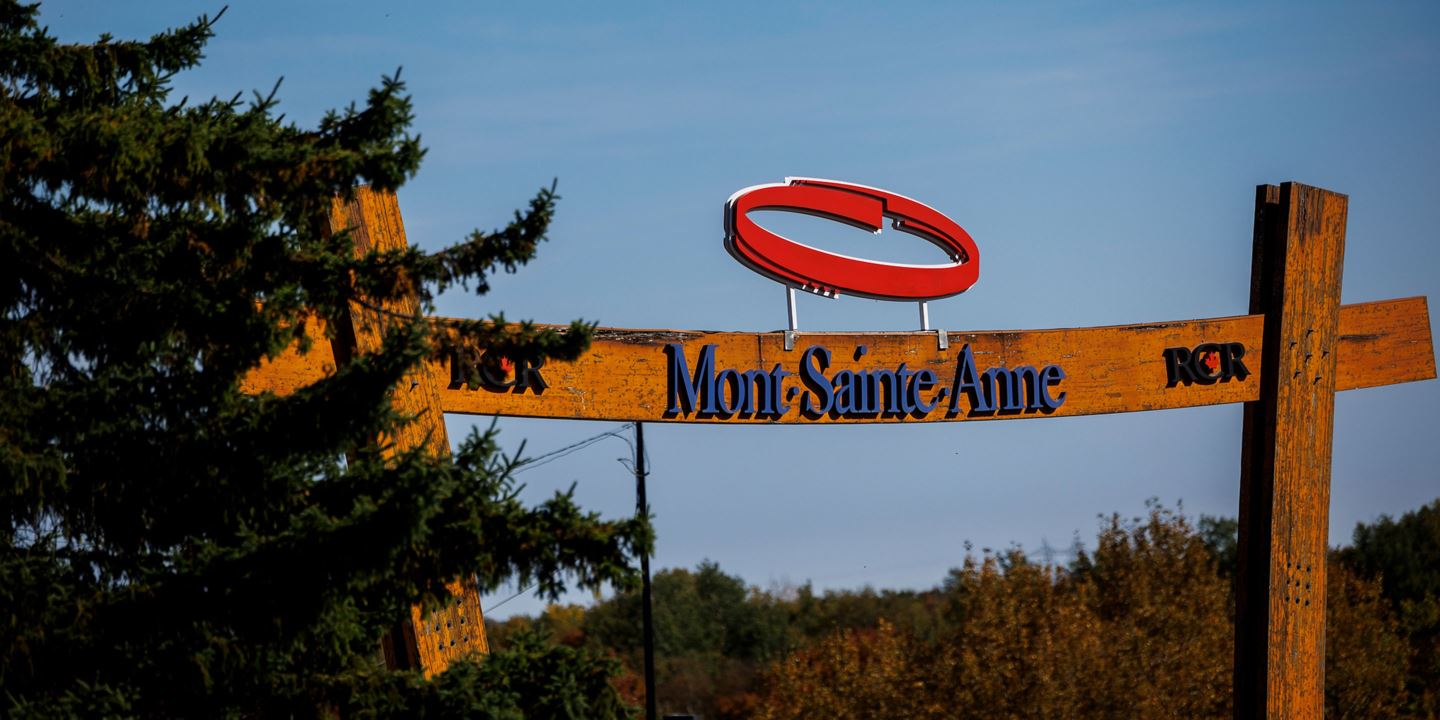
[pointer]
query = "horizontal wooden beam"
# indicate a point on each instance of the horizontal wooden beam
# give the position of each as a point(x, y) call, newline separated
point(1123, 368)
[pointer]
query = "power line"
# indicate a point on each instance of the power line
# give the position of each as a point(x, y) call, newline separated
point(522, 591)
point(554, 455)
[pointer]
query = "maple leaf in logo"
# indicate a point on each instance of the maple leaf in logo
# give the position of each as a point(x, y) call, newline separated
point(1211, 360)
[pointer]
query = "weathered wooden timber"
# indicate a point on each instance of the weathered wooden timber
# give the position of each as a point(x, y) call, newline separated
point(1120, 368)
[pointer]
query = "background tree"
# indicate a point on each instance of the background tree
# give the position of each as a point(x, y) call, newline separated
point(1141, 627)
point(854, 673)
point(1222, 538)
point(175, 547)
point(1404, 556)
point(712, 634)
point(814, 616)
point(1365, 650)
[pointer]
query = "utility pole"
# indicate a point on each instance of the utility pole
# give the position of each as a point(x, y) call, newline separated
point(642, 509)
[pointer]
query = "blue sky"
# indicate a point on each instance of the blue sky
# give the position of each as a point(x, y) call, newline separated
point(1103, 155)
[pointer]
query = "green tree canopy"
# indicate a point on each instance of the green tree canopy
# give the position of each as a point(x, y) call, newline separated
point(705, 611)
point(176, 547)
point(711, 633)
point(1404, 555)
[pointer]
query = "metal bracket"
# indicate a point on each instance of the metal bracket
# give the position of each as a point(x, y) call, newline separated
point(941, 338)
point(791, 320)
point(793, 323)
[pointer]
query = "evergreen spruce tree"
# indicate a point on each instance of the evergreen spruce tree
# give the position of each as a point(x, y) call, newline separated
point(175, 547)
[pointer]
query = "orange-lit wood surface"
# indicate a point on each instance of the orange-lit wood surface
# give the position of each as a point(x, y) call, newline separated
point(429, 642)
point(1286, 454)
point(1109, 369)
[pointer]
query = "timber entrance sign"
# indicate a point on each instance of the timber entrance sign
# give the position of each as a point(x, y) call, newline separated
point(1285, 360)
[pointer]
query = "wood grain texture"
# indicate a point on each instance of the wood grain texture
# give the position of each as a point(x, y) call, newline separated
point(451, 632)
point(1286, 454)
point(373, 219)
point(1384, 344)
point(1110, 369)
point(291, 370)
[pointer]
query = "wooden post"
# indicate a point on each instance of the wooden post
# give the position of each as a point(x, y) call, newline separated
point(1285, 458)
point(432, 642)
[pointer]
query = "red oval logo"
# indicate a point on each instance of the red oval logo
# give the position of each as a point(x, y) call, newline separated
point(831, 274)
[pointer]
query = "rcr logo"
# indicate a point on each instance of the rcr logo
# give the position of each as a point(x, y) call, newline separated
point(1206, 364)
point(494, 372)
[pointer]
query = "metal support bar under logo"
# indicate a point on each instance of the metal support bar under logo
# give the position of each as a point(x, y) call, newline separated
point(941, 339)
point(792, 318)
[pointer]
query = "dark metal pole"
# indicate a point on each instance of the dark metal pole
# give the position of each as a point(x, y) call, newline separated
point(642, 508)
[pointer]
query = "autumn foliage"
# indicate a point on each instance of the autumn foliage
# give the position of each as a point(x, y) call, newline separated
point(1140, 625)
point(1139, 628)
